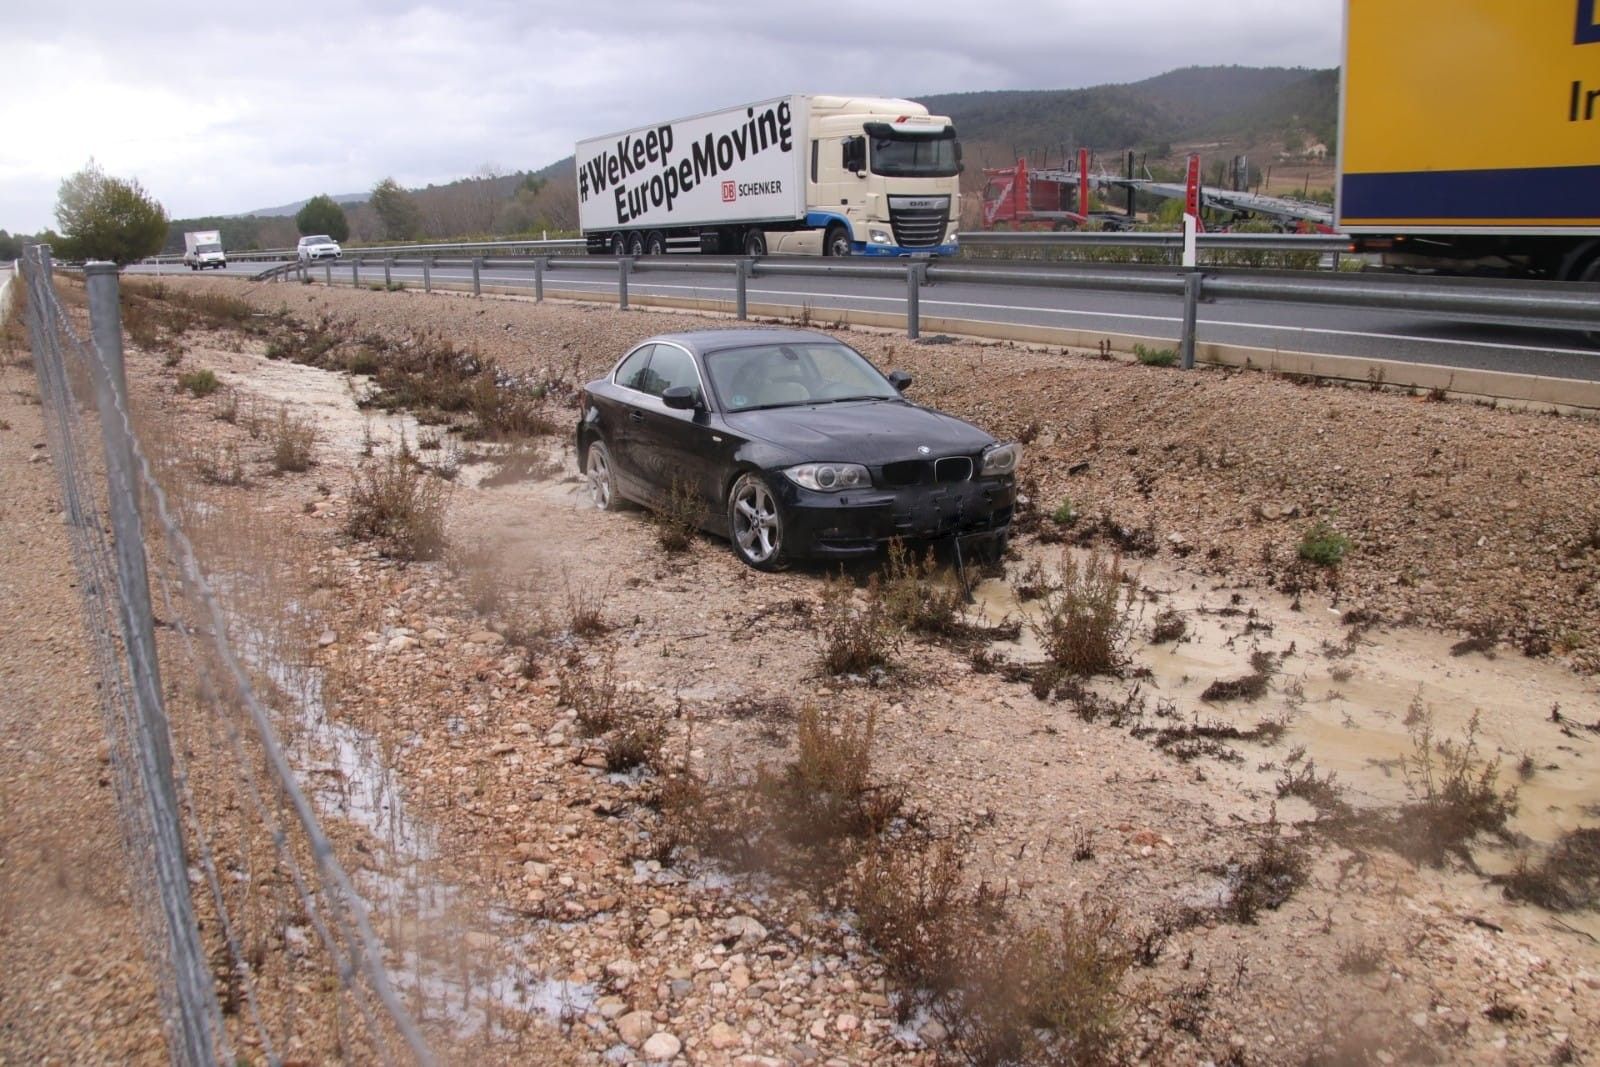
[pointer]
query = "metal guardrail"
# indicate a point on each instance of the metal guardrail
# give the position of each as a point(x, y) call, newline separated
point(1240, 242)
point(1567, 306)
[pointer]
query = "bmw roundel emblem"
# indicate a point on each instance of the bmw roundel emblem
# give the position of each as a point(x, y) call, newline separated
point(924, 449)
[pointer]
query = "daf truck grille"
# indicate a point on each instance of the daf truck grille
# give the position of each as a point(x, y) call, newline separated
point(919, 221)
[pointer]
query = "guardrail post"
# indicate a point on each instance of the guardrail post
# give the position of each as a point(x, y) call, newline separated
point(538, 279)
point(741, 270)
point(427, 274)
point(388, 262)
point(624, 264)
point(477, 280)
point(138, 634)
point(1191, 301)
point(913, 300)
point(327, 274)
point(355, 274)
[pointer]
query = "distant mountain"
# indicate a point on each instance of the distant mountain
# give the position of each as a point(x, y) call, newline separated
point(1233, 104)
point(294, 208)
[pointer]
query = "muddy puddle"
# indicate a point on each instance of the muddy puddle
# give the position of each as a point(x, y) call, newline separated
point(451, 959)
point(1350, 694)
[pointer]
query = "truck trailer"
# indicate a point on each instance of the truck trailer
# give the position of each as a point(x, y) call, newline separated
point(819, 175)
point(1470, 136)
point(202, 249)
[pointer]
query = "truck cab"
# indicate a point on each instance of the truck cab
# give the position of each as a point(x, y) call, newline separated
point(883, 179)
point(202, 249)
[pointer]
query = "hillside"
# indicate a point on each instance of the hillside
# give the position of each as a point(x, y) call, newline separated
point(1238, 105)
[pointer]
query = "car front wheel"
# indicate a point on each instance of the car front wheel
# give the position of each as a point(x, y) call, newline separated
point(755, 522)
point(601, 480)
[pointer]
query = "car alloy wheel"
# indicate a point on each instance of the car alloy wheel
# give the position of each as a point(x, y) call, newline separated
point(602, 490)
point(755, 522)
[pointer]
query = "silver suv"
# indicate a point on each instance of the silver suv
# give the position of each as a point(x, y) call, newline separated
point(320, 246)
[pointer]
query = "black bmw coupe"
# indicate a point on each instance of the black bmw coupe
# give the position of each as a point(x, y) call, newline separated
point(793, 445)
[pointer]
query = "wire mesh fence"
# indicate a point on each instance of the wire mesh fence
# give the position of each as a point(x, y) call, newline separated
point(262, 946)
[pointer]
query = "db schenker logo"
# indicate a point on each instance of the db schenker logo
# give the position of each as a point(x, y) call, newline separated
point(730, 192)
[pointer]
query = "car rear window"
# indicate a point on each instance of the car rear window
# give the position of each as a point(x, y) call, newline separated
point(632, 372)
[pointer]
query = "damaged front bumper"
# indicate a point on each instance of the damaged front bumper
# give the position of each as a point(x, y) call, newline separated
point(859, 523)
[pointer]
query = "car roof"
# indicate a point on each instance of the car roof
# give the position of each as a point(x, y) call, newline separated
point(703, 342)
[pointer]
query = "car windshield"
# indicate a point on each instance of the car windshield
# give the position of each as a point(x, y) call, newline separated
point(209, 248)
point(316, 240)
point(793, 373)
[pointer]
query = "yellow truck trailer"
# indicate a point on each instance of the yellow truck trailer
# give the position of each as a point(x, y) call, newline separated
point(1470, 135)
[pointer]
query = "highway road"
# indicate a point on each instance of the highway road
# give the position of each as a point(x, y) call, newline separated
point(1413, 338)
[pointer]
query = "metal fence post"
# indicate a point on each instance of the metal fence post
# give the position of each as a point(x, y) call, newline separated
point(741, 270)
point(355, 273)
point(477, 281)
point(327, 274)
point(427, 274)
point(138, 634)
point(388, 262)
point(913, 300)
point(623, 265)
point(1191, 300)
point(538, 279)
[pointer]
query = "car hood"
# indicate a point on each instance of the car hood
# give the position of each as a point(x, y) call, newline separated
point(870, 432)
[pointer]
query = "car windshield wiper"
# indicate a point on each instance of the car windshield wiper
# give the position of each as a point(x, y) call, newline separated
point(851, 399)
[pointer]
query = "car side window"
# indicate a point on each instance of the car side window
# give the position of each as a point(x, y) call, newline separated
point(670, 366)
point(634, 371)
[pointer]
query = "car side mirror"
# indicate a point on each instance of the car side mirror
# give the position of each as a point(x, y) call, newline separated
point(681, 398)
point(900, 380)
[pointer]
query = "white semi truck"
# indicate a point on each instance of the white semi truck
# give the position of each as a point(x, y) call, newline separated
point(828, 175)
point(202, 249)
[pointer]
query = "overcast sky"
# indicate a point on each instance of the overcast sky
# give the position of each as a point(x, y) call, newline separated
point(220, 108)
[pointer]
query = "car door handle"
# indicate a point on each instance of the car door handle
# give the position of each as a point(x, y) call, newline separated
point(635, 416)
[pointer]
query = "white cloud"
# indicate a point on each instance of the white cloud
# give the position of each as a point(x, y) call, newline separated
point(223, 108)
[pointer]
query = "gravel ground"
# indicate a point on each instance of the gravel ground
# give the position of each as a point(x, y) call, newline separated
point(536, 829)
point(74, 986)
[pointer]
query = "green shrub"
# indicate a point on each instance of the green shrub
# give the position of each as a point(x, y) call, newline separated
point(1323, 545)
point(1065, 514)
point(1155, 357)
point(199, 382)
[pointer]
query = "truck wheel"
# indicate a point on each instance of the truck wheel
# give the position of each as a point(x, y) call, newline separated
point(619, 245)
point(655, 244)
point(755, 243)
point(635, 244)
point(837, 241)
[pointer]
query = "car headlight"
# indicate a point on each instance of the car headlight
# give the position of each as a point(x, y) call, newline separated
point(829, 477)
point(879, 237)
point(1001, 459)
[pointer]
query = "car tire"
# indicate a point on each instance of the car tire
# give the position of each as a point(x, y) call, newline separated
point(837, 242)
point(655, 244)
point(755, 523)
point(755, 243)
point(636, 244)
point(601, 478)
